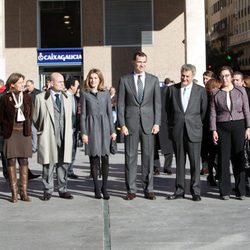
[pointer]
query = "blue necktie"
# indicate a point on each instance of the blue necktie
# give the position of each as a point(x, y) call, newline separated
point(58, 101)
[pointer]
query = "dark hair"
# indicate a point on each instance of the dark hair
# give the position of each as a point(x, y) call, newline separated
point(30, 81)
point(70, 81)
point(210, 74)
point(226, 68)
point(101, 85)
point(139, 53)
point(239, 73)
point(247, 81)
point(12, 79)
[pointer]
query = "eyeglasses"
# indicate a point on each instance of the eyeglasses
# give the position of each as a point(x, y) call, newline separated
point(224, 76)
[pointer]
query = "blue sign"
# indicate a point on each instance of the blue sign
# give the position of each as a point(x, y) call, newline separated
point(60, 56)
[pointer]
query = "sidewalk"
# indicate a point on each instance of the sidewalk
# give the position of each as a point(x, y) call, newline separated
point(87, 223)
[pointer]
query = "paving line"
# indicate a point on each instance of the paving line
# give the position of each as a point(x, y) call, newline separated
point(106, 225)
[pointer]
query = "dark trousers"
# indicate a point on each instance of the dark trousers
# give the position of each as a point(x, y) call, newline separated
point(147, 160)
point(231, 142)
point(182, 147)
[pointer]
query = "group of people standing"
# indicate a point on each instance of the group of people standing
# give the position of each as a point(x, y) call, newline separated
point(140, 104)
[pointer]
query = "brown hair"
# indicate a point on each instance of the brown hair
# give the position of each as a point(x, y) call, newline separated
point(139, 53)
point(226, 68)
point(101, 85)
point(246, 79)
point(12, 79)
point(212, 84)
point(210, 74)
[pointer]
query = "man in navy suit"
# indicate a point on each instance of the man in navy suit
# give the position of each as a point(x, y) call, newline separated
point(186, 105)
point(139, 116)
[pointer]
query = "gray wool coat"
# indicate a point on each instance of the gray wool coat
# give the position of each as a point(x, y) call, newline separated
point(97, 121)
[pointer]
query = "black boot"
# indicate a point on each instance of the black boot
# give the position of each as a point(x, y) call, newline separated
point(94, 162)
point(105, 172)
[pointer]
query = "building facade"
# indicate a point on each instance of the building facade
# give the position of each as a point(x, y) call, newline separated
point(228, 28)
point(73, 36)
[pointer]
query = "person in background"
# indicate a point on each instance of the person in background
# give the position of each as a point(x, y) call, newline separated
point(113, 96)
point(207, 75)
point(238, 79)
point(72, 85)
point(97, 127)
point(139, 116)
point(32, 91)
point(3, 91)
point(207, 141)
point(52, 118)
point(246, 79)
point(162, 140)
point(230, 125)
point(186, 106)
point(15, 120)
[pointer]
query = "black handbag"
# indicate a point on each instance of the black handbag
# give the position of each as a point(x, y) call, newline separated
point(113, 147)
point(246, 154)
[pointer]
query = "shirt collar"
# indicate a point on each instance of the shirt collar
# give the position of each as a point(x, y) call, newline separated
point(141, 74)
point(189, 86)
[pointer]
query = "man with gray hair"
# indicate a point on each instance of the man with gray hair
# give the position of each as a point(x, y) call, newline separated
point(186, 106)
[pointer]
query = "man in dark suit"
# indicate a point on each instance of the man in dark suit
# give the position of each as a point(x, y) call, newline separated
point(186, 105)
point(139, 116)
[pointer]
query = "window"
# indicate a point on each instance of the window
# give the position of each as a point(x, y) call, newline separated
point(128, 22)
point(60, 24)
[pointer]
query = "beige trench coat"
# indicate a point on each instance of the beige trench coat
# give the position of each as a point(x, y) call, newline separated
point(43, 118)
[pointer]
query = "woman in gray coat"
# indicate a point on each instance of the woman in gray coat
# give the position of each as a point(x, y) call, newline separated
point(97, 127)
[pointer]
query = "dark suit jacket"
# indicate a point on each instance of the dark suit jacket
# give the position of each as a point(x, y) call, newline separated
point(7, 114)
point(166, 144)
point(131, 112)
point(192, 119)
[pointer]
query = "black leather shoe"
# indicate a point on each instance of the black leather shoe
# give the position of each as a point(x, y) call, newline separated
point(130, 196)
point(66, 195)
point(196, 197)
point(167, 171)
point(32, 176)
point(46, 196)
point(150, 196)
point(72, 176)
point(156, 171)
point(175, 196)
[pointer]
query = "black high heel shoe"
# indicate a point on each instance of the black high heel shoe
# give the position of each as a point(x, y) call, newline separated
point(105, 194)
point(97, 194)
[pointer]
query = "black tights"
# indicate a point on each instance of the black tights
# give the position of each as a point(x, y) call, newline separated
point(21, 161)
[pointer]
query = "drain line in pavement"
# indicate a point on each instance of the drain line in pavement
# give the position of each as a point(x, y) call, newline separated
point(106, 226)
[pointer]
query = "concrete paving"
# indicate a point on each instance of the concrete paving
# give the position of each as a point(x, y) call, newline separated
point(87, 223)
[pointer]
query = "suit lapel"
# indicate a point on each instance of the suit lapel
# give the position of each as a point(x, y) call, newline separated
point(192, 95)
point(131, 85)
point(50, 106)
point(146, 87)
point(178, 95)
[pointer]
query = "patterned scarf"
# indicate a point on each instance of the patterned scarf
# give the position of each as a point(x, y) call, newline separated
point(18, 104)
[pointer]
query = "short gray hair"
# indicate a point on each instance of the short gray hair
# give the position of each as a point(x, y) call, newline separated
point(188, 67)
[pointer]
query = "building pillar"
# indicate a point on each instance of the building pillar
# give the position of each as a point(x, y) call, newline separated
point(2, 42)
point(195, 36)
